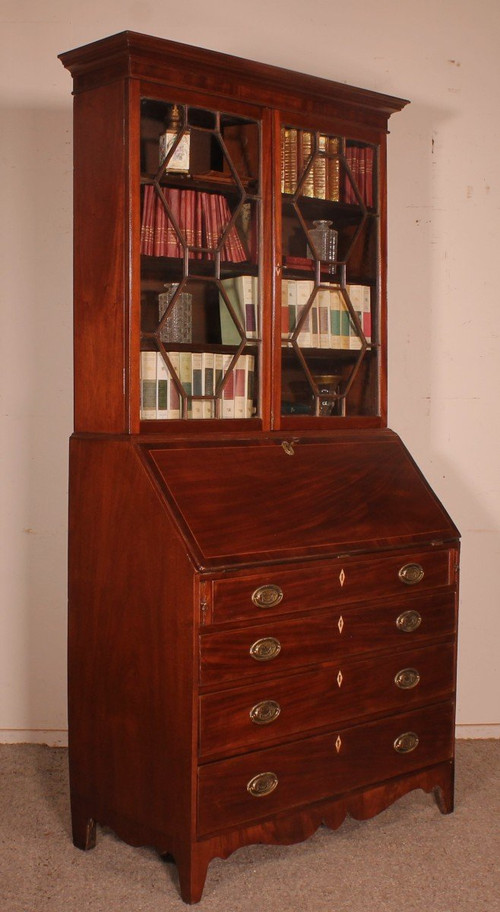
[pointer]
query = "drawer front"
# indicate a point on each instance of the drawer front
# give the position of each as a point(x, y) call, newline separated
point(330, 583)
point(259, 784)
point(254, 716)
point(279, 645)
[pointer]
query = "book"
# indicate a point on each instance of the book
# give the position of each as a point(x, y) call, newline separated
point(147, 220)
point(228, 329)
point(207, 366)
point(319, 168)
point(333, 170)
point(148, 381)
point(303, 292)
point(285, 327)
point(228, 391)
point(163, 376)
point(288, 160)
point(324, 323)
point(360, 298)
point(240, 387)
point(247, 290)
point(186, 378)
point(336, 307)
point(305, 151)
point(242, 292)
point(174, 399)
point(197, 383)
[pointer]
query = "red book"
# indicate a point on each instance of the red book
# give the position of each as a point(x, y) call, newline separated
point(369, 195)
point(147, 225)
point(160, 226)
point(234, 247)
point(198, 223)
point(208, 241)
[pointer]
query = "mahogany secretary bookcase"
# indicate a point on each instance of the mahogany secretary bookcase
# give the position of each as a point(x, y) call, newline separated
point(263, 587)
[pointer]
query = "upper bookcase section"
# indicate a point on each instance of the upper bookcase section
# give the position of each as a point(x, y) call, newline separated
point(208, 191)
point(131, 54)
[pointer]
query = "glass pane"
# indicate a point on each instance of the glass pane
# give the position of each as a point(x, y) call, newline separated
point(329, 314)
point(200, 290)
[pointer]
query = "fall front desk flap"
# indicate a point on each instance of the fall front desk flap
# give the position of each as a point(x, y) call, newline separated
point(241, 502)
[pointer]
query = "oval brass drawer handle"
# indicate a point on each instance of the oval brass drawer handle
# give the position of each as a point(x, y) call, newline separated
point(265, 649)
point(262, 784)
point(407, 678)
point(411, 574)
point(267, 596)
point(408, 621)
point(406, 743)
point(265, 712)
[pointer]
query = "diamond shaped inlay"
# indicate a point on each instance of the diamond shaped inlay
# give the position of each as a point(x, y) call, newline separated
point(340, 678)
point(342, 577)
point(338, 744)
point(340, 624)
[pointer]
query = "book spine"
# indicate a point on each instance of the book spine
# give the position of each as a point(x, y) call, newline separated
point(228, 329)
point(250, 391)
point(345, 325)
point(319, 169)
point(197, 384)
point(162, 382)
point(292, 305)
point(246, 290)
point(240, 388)
point(289, 160)
point(360, 297)
point(174, 399)
point(147, 220)
point(149, 388)
point(186, 378)
point(304, 290)
point(207, 360)
point(305, 153)
point(369, 175)
point(336, 306)
point(333, 170)
point(285, 325)
point(218, 376)
point(228, 392)
point(159, 230)
point(324, 333)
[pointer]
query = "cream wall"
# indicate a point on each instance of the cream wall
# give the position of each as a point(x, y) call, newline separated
point(444, 208)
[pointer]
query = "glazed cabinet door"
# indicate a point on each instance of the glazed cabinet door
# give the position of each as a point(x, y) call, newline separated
point(330, 252)
point(200, 263)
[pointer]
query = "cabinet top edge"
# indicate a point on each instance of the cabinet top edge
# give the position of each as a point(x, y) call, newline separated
point(132, 54)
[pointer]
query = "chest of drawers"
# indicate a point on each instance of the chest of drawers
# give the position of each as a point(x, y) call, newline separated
point(252, 694)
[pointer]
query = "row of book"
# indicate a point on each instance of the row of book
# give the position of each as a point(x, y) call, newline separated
point(360, 161)
point(325, 178)
point(328, 322)
point(201, 219)
point(200, 374)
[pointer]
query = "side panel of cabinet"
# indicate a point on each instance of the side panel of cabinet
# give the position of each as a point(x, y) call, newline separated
point(100, 311)
point(131, 635)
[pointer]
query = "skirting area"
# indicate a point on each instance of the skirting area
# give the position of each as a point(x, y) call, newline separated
point(410, 858)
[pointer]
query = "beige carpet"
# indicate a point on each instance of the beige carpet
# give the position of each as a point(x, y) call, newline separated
point(410, 858)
